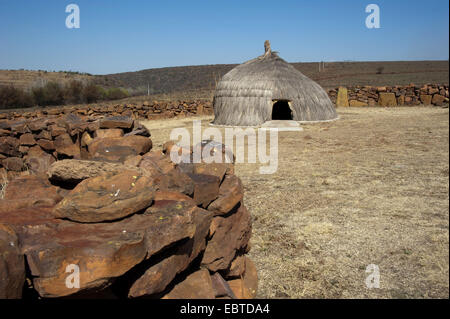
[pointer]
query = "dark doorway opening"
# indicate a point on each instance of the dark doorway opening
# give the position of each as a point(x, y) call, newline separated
point(281, 110)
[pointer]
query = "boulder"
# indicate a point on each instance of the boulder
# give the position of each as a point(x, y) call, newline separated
point(215, 169)
point(39, 164)
point(119, 148)
point(13, 164)
point(229, 235)
point(107, 197)
point(66, 147)
point(12, 265)
point(113, 132)
point(46, 145)
point(231, 192)
point(116, 122)
point(197, 285)
point(32, 190)
point(74, 171)
point(27, 139)
point(102, 251)
point(9, 146)
point(157, 277)
point(206, 188)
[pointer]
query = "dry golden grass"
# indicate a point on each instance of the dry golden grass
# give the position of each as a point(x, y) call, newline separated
point(371, 188)
point(3, 183)
point(26, 78)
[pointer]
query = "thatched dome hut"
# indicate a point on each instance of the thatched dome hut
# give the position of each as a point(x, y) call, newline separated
point(268, 88)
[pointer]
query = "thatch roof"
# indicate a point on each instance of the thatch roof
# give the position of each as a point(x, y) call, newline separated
point(245, 95)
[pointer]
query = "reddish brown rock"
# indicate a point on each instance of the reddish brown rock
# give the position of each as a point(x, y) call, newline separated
point(438, 100)
point(65, 146)
point(156, 162)
point(74, 171)
point(116, 122)
point(215, 169)
point(133, 160)
point(107, 197)
point(113, 132)
point(46, 135)
point(32, 190)
point(46, 145)
point(221, 287)
point(206, 188)
point(196, 286)
point(12, 265)
point(38, 125)
point(119, 148)
point(164, 196)
point(237, 267)
point(231, 234)
point(39, 164)
point(9, 146)
point(157, 277)
point(13, 164)
point(231, 192)
point(103, 251)
point(247, 286)
point(56, 130)
point(27, 139)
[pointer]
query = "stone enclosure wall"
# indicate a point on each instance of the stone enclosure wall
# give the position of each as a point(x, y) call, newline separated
point(90, 197)
point(429, 94)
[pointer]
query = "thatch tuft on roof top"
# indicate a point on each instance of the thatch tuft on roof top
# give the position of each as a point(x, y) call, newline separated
point(248, 94)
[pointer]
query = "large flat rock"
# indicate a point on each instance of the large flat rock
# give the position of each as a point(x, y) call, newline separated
point(107, 197)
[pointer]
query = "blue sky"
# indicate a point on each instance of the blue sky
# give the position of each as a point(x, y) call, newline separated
point(119, 36)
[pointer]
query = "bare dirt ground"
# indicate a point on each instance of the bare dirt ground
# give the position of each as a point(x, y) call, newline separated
point(370, 188)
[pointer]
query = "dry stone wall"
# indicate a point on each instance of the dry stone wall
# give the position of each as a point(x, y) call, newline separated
point(95, 198)
point(429, 94)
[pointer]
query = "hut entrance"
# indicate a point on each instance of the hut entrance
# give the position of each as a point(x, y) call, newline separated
point(281, 110)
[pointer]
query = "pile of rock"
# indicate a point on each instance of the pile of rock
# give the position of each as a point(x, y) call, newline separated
point(429, 94)
point(119, 220)
point(144, 110)
point(34, 144)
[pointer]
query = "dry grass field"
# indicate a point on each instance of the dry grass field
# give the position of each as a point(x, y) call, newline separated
point(370, 188)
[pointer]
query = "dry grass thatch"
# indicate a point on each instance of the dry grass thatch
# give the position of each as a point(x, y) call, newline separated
point(245, 95)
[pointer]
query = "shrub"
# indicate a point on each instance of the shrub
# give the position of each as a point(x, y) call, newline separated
point(12, 97)
point(53, 93)
point(73, 92)
point(39, 95)
point(116, 94)
point(92, 93)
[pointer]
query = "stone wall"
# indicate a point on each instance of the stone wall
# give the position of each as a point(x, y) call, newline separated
point(144, 110)
point(429, 94)
point(96, 201)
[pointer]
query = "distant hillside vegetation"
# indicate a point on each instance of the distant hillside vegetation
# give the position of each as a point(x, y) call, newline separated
point(204, 77)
